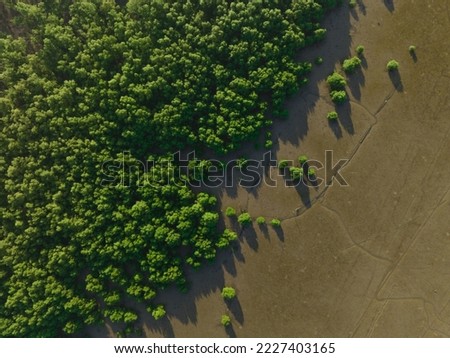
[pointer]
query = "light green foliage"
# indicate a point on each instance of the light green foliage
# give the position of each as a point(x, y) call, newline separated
point(338, 97)
point(244, 219)
point(275, 222)
point(302, 159)
point(360, 50)
point(392, 65)
point(412, 49)
point(158, 312)
point(311, 172)
point(336, 82)
point(228, 293)
point(225, 320)
point(351, 64)
point(226, 238)
point(296, 173)
point(332, 116)
point(260, 220)
point(230, 211)
point(352, 3)
point(283, 164)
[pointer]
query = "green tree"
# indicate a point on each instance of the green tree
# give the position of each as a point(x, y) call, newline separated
point(228, 293)
point(245, 219)
point(225, 320)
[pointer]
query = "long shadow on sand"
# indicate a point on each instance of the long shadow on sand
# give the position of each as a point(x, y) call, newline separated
point(336, 47)
point(389, 5)
point(396, 80)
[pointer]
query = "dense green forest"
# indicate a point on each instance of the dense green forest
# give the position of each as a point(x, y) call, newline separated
point(83, 81)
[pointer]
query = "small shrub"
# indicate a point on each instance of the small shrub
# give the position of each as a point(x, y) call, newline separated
point(230, 212)
point(302, 159)
point(351, 64)
point(392, 65)
point(336, 81)
point(225, 320)
point(332, 116)
point(412, 49)
point(228, 293)
point(320, 34)
point(360, 50)
point(311, 172)
point(268, 144)
point(244, 219)
point(159, 312)
point(283, 164)
point(318, 60)
point(296, 173)
point(260, 220)
point(275, 223)
point(338, 97)
point(352, 3)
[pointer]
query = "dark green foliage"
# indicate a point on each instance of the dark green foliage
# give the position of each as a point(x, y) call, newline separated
point(228, 293)
point(338, 97)
point(275, 223)
point(245, 219)
point(230, 211)
point(332, 116)
point(336, 82)
point(283, 164)
point(318, 60)
point(412, 49)
point(351, 64)
point(87, 81)
point(392, 65)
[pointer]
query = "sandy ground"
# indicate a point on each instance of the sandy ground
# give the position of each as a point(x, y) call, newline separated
point(368, 260)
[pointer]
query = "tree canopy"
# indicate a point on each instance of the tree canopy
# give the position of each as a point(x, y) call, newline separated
point(82, 82)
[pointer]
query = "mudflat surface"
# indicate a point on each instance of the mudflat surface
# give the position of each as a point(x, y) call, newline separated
point(370, 259)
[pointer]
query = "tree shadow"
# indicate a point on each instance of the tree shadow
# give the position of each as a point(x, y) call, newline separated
point(364, 63)
point(336, 128)
point(396, 80)
point(235, 308)
point(303, 192)
point(413, 56)
point(249, 234)
point(389, 5)
point(264, 230)
point(344, 111)
point(279, 231)
point(335, 48)
point(356, 81)
point(362, 7)
point(230, 331)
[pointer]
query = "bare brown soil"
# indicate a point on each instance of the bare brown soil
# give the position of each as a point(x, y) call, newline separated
point(368, 260)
